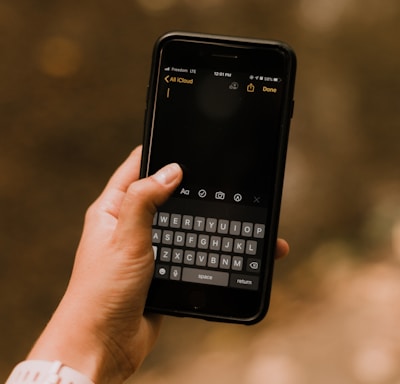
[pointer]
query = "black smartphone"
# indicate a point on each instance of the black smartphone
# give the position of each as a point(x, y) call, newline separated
point(221, 108)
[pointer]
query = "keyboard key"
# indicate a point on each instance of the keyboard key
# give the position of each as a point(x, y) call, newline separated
point(251, 247)
point(202, 276)
point(177, 256)
point(179, 239)
point(225, 262)
point(167, 237)
point(191, 240)
point(253, 265)
point(163, 219)
point(227, 244)
point(165, 254)
point(215, 243)
point(223, 226)
point(234, 228)
point(239, 246)
point(259, 231)
point(156, 237)
point(201, 259)
point(175, 221)
point(213, 260)
point(162, 271)
point(203, 241)
point(199, 223)
point(190, 257)
point(247, 229)
point(237, 263)
point(211, 225)
point(244, 281)
point(175, 273)
point(187, 222)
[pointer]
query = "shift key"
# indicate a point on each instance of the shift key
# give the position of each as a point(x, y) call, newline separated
point(203, 276)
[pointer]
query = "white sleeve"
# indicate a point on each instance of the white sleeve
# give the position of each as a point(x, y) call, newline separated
point(45, 372)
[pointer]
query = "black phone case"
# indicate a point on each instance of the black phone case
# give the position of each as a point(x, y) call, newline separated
point(271, 237)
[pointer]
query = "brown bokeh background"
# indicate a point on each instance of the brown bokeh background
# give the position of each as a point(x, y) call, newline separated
point(73, 78)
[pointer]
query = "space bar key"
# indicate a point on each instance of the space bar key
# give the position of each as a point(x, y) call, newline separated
point(202, 276)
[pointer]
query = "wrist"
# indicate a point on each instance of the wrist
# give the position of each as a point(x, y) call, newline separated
point(74, 340)
point(45, 372)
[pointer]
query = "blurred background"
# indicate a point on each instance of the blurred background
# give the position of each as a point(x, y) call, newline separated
point(73, 78)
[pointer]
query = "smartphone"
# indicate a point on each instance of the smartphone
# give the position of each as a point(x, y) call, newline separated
point(221, 108)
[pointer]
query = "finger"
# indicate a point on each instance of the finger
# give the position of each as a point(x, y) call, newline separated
point(127, 172)
point(110, 200)
point(282, 249)
point(141, 201)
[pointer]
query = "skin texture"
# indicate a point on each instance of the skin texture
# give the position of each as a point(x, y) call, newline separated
point(99, 327)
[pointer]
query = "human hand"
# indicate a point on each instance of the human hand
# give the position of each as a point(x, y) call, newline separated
point(100, 328)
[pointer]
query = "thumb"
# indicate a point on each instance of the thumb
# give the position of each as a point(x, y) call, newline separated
point(140, 204)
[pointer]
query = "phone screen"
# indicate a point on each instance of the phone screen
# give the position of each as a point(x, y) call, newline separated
point(221, 111)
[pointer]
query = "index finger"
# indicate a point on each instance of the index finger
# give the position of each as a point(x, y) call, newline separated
point(127, 172)
point(282, 249)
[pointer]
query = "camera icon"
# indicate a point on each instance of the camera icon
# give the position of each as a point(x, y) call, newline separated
point(220, 195)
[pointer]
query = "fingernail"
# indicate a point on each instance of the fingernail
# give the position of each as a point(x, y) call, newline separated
point(168, 174)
